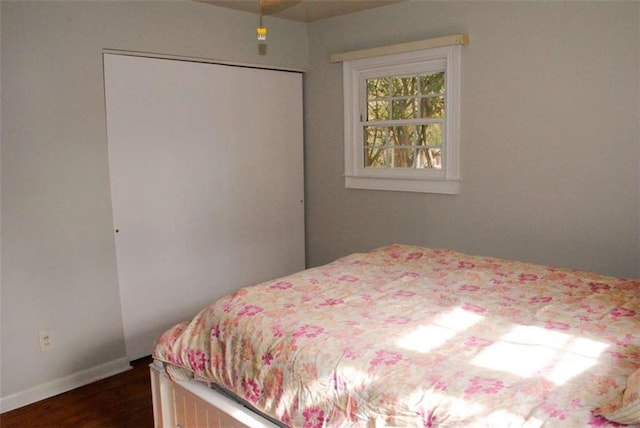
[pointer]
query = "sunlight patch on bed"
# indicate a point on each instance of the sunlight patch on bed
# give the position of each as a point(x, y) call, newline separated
point(578, 356)
point(444, 327)
point(529, 351)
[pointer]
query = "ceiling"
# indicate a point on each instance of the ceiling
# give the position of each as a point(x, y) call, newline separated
point(302, 10)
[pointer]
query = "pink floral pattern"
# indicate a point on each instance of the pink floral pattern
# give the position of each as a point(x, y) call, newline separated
point(308, 331)
point(251, 390)
point(313, 417)
point(417, 337)
point(386, 358)
point(479, 385)
point(197, 360)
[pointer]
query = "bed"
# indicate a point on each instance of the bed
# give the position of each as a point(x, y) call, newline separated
point(406, 336)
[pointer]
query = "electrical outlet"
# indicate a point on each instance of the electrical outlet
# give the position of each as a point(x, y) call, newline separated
point(46, 340)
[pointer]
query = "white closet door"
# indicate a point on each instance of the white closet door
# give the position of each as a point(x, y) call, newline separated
point(206, 183)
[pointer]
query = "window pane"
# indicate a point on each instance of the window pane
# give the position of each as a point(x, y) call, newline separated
point(403, 86)
point(377, 88)
point(404, 109)
point(377, 158)
point(403, 158)
point(429, 135)
point(432, 107)
point(374, 136)
point(432, 83)
point(378, 110)
point(429, 158)
point(389, 158)
point(403, 135)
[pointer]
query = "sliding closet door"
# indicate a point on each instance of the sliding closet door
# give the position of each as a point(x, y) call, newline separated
point(206, 183)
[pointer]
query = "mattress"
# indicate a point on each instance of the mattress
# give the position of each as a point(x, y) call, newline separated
point(410, 336)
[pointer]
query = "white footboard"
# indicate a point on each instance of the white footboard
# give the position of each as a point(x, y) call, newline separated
point(190, 404)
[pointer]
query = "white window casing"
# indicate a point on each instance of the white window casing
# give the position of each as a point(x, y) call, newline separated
point(445, 180)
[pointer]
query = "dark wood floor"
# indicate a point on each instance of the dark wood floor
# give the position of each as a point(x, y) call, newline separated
point(123, 401)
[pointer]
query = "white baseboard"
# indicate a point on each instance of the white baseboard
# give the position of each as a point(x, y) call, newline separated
point(58, 386)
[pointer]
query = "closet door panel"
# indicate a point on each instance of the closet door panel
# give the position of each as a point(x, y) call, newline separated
point(206, 183)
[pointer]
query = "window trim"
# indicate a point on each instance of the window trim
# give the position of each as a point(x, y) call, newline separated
point(355, 72)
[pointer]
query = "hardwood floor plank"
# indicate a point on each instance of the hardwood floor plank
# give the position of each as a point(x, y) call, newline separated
point(120, 401)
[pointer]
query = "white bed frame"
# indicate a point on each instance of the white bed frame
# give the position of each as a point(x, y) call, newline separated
point(190, 404)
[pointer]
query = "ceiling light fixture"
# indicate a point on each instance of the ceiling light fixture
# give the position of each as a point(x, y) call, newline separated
point(261, 31)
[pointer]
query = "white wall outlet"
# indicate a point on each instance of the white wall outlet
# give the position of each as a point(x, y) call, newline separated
point(46, 340)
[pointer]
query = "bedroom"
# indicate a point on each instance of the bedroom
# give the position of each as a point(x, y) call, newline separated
point(570, 199)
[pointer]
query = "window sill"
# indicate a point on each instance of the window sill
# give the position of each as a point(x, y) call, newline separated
point(441, 186)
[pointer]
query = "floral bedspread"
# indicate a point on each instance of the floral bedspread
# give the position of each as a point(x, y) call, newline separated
point(415, 337)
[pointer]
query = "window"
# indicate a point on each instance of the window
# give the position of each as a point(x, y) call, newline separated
point(402, 121)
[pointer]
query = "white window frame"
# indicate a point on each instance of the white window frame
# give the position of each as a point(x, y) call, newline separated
point(355, 74)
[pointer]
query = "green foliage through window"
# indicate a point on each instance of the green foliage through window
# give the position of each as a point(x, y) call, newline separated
point(404, 121)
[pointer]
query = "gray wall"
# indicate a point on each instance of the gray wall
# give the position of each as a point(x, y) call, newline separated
point(58, 253)
point(549, 137)
point(550, 148)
